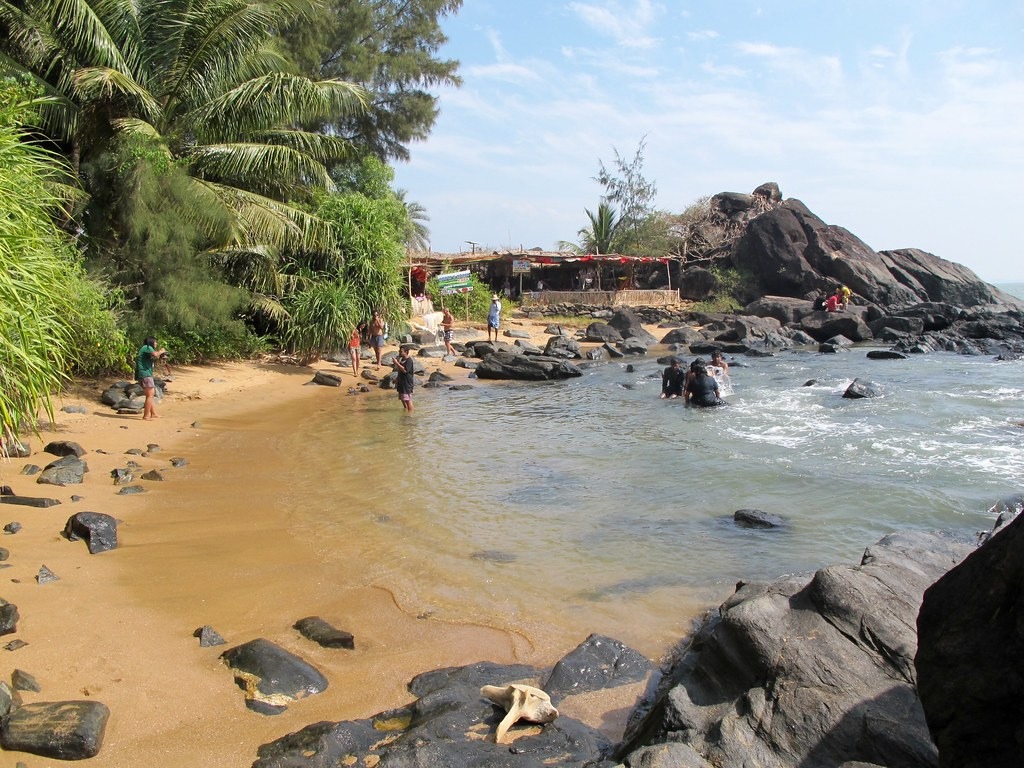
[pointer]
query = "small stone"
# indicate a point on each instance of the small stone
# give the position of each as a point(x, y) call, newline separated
point(45, 576)
point(31, 469)
point(23, 681)
point(153, 474)
point(178, 461)
point(12, 527)
point(130, 490)
point(208, 636)
point(15, 645)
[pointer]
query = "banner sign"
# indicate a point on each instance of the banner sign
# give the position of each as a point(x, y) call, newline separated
point(455, 282)
point(520, 266)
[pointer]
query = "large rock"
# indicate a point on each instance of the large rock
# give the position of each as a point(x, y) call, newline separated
point(69, 470)
point(503, 365)
point(812, 672)
point(63, 730)
point(788, 251)
point(450, 724)
point(98, 529)
point(272, 677)
point(970, 655)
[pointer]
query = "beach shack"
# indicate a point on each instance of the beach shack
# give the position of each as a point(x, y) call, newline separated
point(557, 277)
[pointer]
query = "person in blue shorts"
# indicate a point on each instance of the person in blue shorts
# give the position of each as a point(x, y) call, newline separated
point(144, 362)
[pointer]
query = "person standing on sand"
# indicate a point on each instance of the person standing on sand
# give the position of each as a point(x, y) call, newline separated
point(494, 317)
point(144, 362)
point(377, 334)
point(406, 379)
point(447, 323)
point(355, 342)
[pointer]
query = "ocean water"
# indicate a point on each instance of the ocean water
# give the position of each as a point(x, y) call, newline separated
point(592, 505)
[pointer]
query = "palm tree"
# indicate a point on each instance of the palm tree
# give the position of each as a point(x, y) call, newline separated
point(199, 85)
point(418, 236)
point(603, 233)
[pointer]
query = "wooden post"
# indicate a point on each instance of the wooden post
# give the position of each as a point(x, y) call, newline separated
point(668, 272)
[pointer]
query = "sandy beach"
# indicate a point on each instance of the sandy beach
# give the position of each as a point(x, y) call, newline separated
point(118, 626)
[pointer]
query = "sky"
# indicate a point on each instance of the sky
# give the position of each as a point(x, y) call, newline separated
point(900, 120)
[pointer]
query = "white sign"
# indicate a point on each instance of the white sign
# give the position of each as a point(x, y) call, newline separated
point(520, 266)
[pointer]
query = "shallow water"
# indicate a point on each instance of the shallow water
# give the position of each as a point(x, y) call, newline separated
point(591, 505)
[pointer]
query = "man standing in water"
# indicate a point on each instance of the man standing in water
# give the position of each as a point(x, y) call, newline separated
point(406, 378)
point(147, 357)
point(494, 317)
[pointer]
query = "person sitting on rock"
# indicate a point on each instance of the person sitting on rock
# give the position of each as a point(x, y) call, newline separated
point(832, 303)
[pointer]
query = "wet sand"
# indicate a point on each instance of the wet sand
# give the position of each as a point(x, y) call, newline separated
point(206, 547)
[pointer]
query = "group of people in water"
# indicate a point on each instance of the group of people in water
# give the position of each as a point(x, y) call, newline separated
point(699, 384)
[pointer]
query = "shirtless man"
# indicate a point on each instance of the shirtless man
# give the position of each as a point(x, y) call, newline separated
point(447, 323)
point(377, 335)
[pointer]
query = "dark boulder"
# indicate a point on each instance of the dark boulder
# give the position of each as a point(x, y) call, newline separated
point(596, 663)
point(319, 631)
point(8, 617)
point(451, 724)
point(563, 347)
point(936, 279)
point(968, 662)
point(97, 529)
point(29, 501)
point(684, 336)
point(756, 518)
point(783, 308)
point(808, 672)
point(885, 354)
point(502, 365)
point(627, 322)
point(325, 379)
point(602, 332)
point(823, 325)
point(69, 470)
point(271, 676)
point(62, 730)
point(64, 448)
point(860, 388)
point(697, 284)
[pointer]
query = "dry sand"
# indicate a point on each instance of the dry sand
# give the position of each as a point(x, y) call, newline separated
point(118, 626)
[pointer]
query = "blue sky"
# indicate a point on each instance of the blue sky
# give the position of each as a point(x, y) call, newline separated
point(901, 121)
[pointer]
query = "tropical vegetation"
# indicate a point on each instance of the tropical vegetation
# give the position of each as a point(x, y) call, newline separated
point(219, 159)
point(54, 319)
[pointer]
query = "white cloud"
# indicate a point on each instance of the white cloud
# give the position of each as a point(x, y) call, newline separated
point(628, 26)
point(702, 34)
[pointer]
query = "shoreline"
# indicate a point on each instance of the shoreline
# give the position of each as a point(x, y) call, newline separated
point(118, 626)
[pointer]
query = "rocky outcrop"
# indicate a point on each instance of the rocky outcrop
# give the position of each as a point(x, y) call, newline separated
point(450, 723)
point(970, 646)
point(806, 672)
point(789, 251)
point(505, 365)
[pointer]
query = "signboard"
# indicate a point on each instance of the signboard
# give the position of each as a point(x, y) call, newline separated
point(520, 267)
point(454, 282)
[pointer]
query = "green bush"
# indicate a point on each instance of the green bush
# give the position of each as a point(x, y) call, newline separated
point(479, 299)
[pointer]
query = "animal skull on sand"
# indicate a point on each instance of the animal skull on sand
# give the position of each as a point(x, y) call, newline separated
point(522, 702)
